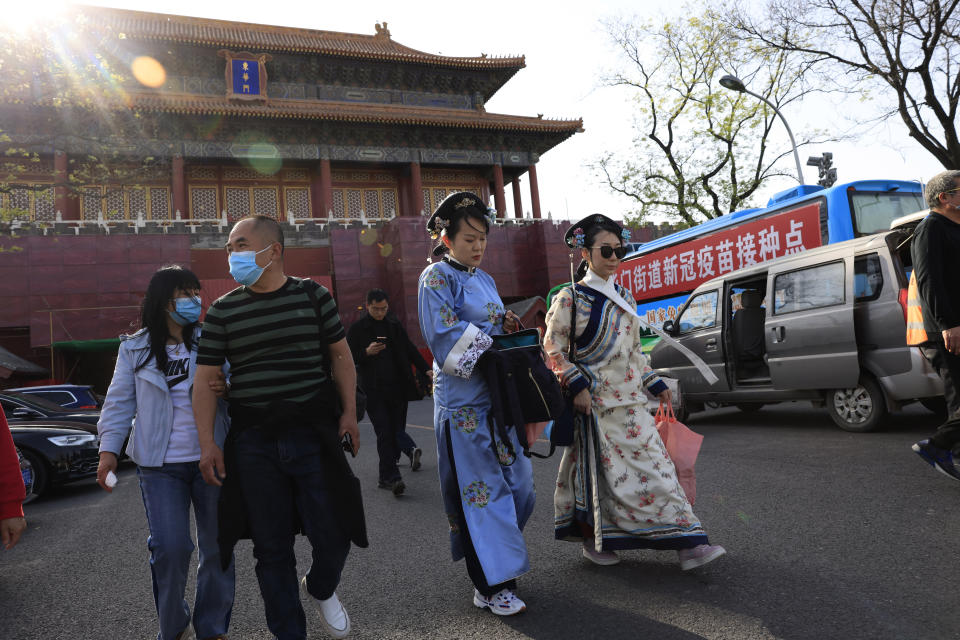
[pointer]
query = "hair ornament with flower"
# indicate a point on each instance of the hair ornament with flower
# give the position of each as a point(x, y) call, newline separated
point(439, 226)
point(491, 216)
point(578, 237)
point(625, 235)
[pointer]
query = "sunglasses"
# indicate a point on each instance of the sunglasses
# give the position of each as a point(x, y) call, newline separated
point(606, 252)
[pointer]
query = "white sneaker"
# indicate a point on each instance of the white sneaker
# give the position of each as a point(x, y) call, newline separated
point(699, 555)
point(333, 616)
point(503, 603)
point(604, 558)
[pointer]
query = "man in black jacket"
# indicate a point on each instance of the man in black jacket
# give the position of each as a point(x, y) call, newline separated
point(383, 353)
point(936, 265)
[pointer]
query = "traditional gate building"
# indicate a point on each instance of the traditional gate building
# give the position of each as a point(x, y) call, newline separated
point(134, 139)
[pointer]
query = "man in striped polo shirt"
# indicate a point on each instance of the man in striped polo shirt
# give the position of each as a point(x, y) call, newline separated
point(283, 412)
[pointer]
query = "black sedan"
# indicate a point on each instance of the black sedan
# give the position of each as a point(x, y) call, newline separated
point(19, 407)
point(58, 452)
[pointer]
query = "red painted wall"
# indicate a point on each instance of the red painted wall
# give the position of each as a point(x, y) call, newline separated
point(89, 287)
point(80, 287)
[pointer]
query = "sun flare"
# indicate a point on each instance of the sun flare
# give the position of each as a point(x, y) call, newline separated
point(22, 17)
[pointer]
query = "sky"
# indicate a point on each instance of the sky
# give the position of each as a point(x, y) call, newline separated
point(567, 52)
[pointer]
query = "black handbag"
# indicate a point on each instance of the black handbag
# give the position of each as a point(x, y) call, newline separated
point(522, 388)
point(538, 393)
point(328, 363)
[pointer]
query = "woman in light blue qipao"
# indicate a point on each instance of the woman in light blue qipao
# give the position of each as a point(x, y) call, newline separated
point(487, 487)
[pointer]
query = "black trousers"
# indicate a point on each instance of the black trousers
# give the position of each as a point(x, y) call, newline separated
point(388, 413)
point(947, 365)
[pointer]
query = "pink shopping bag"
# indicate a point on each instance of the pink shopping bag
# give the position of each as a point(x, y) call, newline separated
point(683, 445)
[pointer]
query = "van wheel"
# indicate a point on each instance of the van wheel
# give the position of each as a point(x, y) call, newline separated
point(859, 409)
point(749, 407)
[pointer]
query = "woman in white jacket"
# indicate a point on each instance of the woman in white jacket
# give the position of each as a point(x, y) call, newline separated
point(152, 383)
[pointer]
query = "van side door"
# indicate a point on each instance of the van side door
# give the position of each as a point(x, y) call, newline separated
point(878, 315)
point(809, 330)
point(698, 328)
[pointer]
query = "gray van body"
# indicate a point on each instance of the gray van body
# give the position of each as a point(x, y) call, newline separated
point(833, 331)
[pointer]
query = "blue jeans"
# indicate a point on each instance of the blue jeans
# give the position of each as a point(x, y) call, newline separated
point(282, 475)
point(405, 443)
point(168, 491)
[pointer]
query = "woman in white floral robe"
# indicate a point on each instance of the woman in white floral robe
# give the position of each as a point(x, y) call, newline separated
point(617, 487)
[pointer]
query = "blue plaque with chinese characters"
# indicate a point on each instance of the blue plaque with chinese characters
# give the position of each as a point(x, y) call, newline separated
point(246, 77)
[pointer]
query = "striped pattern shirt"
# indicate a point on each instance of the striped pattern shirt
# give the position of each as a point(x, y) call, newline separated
point(271, 341)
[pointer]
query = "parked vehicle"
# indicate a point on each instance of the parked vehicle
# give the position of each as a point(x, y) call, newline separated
point(18, 407)
point(69, 396)
point(26, 470)
point(826, 325)
point(57, 452)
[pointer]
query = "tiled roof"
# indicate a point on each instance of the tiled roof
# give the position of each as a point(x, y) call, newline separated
point(144, 25)
point(348, 112)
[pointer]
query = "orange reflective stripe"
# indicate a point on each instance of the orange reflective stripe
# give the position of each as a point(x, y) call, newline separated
point(916, 334)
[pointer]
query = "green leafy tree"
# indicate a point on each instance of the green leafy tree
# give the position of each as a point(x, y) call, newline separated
point(700, 151)
point(903, 56)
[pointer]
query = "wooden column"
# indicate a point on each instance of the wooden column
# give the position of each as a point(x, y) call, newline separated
point(534, 191)
point(326, 190)
point(316, 197)
point(416, 191)
point(179, 185)
point(517, 204)
point(500, 202)
point(61, 201)
point(403, 194)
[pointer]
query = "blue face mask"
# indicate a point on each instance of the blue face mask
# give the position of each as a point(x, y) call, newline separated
point(187, 311)
point(244, 267)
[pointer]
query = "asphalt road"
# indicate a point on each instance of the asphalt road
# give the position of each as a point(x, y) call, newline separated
point(829, 535)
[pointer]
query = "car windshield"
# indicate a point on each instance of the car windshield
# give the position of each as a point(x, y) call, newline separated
point(33, 402)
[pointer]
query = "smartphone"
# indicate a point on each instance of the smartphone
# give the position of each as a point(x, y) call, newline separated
point(347, 443)
point(382, 339)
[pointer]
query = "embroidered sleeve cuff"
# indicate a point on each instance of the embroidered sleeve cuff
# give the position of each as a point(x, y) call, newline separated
point(463, 357)
point(657, 387)
point(577, 385)
point(652, 383)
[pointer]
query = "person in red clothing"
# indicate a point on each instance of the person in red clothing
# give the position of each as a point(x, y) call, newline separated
point(12, 491)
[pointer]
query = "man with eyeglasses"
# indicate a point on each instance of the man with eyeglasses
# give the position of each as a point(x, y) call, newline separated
point(936, 266)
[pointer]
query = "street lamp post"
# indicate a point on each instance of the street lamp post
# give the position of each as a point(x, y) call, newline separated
point(736, 84)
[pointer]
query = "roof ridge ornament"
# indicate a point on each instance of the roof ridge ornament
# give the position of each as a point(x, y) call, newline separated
point(382, 31)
